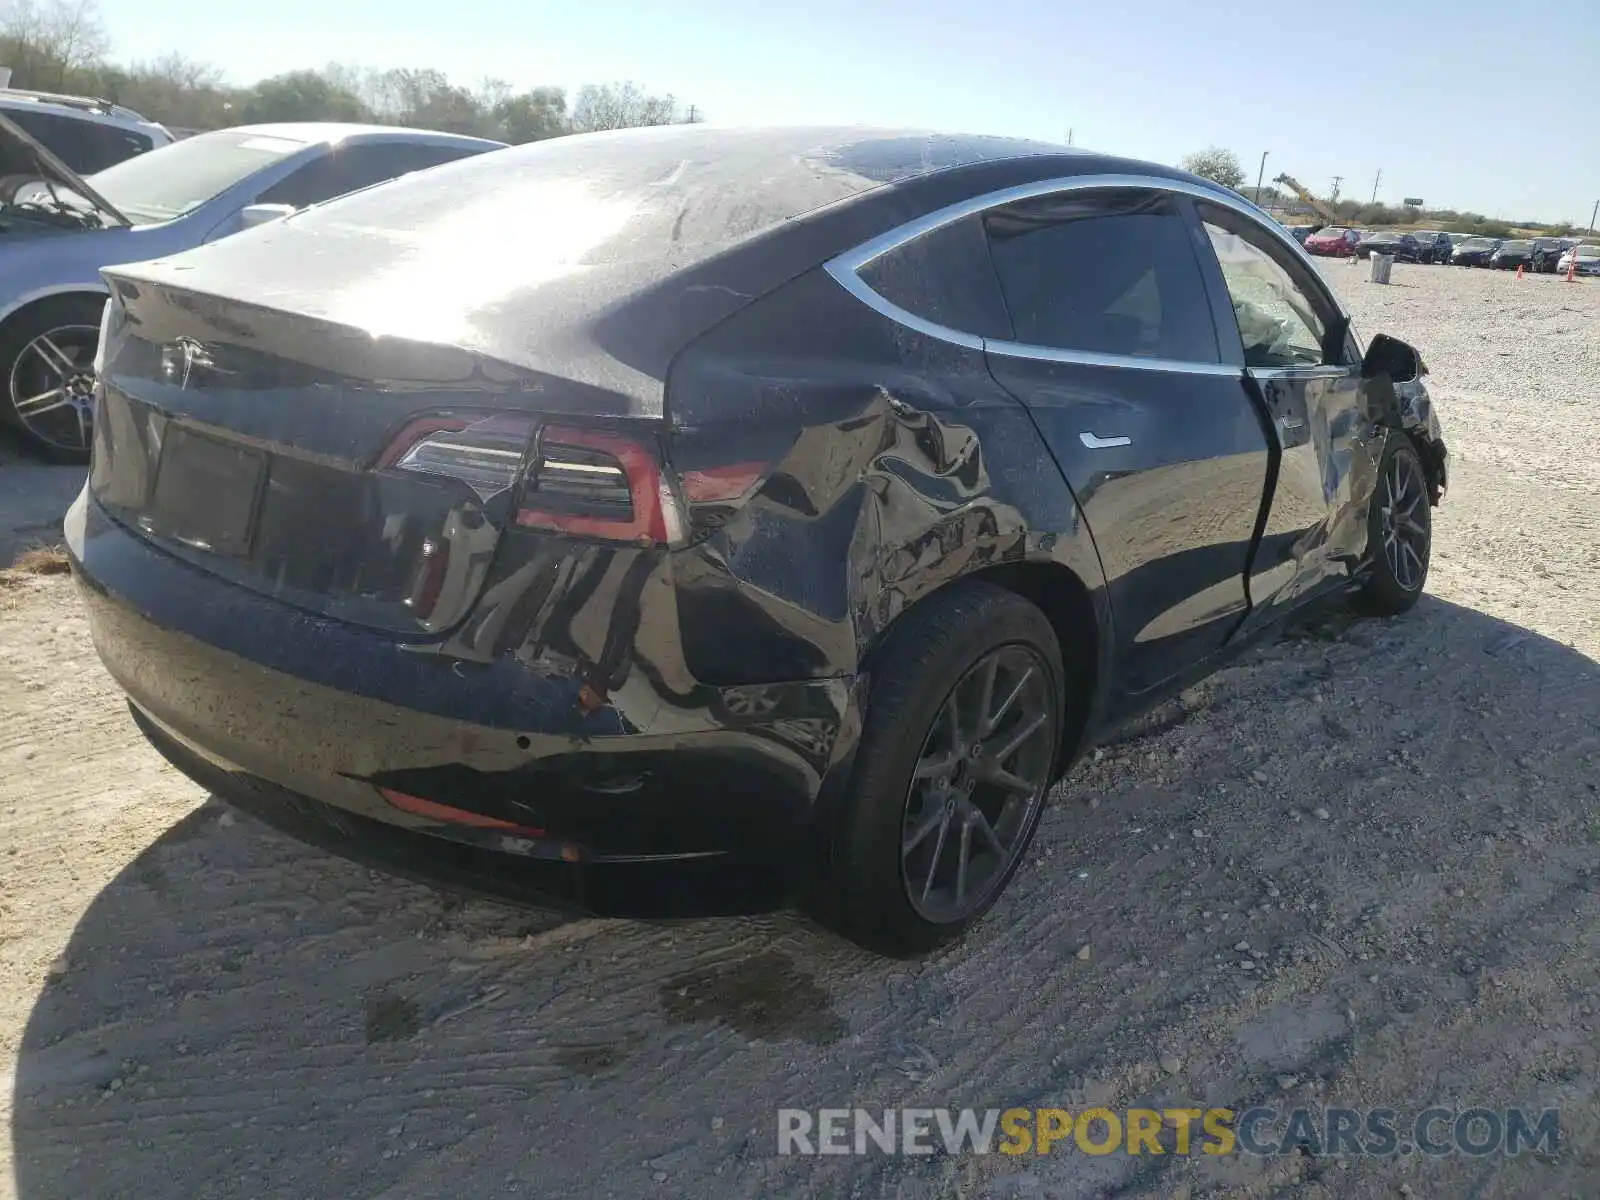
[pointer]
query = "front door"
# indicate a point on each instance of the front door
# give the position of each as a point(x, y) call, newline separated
point(1116, 357)
point(1297, 361)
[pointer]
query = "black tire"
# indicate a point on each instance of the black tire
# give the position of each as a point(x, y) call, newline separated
point(1399, 532)
point(933, 662)
point(59, 433)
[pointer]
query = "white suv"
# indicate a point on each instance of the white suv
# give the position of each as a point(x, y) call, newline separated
point(88, 135)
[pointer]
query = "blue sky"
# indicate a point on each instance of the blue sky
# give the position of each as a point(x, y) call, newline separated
point(1466, 104)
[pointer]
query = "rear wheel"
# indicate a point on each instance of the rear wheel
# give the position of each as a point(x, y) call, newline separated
point(959, 748)
point(47, 368)
point(1399, 532)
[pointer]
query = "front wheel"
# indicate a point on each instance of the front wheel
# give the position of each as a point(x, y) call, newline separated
point(959, 747)
point(1399, 532)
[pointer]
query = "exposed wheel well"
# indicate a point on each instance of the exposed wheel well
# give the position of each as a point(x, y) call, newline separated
point(1057, 592)
point(53, 300)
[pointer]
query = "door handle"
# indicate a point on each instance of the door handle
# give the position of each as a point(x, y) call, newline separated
point(1099, 443)
point(1290, 422)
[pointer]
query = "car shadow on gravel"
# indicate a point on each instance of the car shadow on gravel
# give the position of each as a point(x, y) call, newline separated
point(1388, 816)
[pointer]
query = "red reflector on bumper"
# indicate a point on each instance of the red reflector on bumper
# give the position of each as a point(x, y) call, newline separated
point(456, 816)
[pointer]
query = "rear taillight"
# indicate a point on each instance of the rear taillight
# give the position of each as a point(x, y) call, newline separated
point(597, 483)
point(485, 453)
point(583, 481)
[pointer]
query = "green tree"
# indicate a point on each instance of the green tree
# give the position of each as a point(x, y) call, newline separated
point(300, 96)
point(426, 99)
point(1216, 164)
point(532, 116)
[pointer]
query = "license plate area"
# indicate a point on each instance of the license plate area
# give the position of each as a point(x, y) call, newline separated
point(206, 493)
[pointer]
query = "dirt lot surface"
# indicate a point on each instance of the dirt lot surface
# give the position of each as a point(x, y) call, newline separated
point(1358, 868)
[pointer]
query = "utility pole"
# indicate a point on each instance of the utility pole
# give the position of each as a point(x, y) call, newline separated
point(1069, 137)
point(693, 110)
point(1259, 174)
point(1375, 179)
point(1333, 195)
point(1593, 212)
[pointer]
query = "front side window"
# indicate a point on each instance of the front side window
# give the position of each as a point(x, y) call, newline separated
point(1280, 322)
point(1107, 271)
point(345, 169)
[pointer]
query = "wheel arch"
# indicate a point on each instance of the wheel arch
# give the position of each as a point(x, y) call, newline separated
point(45, 296)
point(1079, 615)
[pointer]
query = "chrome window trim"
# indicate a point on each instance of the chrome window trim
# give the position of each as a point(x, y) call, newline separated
point(847, 278)
point(1091, 358)
point(845, 268)
point(1325, 371)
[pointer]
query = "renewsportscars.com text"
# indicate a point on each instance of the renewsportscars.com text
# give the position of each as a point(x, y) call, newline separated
point(1265, 1132)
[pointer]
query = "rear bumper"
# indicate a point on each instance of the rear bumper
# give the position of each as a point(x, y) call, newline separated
point(705, 885)
point(307, 721)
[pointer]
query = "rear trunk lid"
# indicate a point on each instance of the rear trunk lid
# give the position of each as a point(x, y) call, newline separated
point(271, 449)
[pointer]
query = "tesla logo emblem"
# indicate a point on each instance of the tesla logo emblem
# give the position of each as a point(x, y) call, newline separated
point(1099, 443)
point(179, 359)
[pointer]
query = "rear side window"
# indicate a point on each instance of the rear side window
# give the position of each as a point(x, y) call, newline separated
point(1105, 271)
point(85, 146)
point(944, 277)
point(351, 168)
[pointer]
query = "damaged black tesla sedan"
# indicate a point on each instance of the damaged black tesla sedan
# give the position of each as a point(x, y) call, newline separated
point(688, 519)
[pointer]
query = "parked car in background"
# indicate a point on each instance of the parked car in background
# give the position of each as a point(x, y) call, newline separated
point(1587, 259)
point(59, 229)
point(1435, 247)
point(1403, 246)
point(1474, 251)
point(1510, 255)
point(1301, 232)
point(591, 482)
point(1335, 240)
point(87, 134)
point(1547, 252)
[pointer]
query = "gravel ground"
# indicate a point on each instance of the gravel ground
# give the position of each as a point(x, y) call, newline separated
point(33, 495)
point(1357, 868)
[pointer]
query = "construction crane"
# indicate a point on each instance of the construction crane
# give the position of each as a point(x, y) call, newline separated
point(1322, 210)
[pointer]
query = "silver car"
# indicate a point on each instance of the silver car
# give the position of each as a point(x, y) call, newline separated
point(59, 229)
point(1586, 258)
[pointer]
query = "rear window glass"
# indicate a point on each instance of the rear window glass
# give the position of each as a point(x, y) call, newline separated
point(1109, 272)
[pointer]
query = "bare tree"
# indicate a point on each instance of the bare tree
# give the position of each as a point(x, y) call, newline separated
point(45, 40)
point(186, 93)
point(619, 106)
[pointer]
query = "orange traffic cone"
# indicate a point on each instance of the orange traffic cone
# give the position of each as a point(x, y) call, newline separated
point(1519, 270)
point(1572, 267)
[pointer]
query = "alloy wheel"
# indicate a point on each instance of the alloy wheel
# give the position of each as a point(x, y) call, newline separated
point(1403, 521)
point(52, 386)
point(978, 784)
